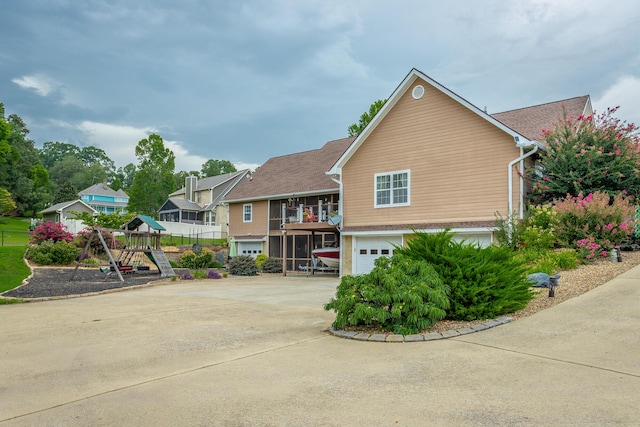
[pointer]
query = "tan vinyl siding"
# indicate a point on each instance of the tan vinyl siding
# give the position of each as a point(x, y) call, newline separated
point(259, 224)
point(458, 163)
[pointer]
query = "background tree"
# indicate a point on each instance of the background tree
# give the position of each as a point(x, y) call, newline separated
point(586, 155)
point(6, 202)
point(366, 117)
point(53, 152)
point(154, 179)
point(217, 167)
point(123, 178)
point(19, 160)
point(180, 177)
point(65, 193)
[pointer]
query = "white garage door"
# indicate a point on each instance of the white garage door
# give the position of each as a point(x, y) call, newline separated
point(484, 239)
point(367, 249)
point(250, 248)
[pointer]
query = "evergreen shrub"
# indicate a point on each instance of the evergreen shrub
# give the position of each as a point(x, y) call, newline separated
point(485, 282)
point(400, 294)
point(260, 259)
point(243, 265)
point(272, 265)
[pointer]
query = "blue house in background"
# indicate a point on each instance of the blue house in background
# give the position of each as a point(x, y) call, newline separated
point(104, 199)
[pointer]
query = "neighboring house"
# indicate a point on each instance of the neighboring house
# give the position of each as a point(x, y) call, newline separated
point(65, 213)
point(431, 160)
point(200, 200)
point(104, 199)
point(288, 197)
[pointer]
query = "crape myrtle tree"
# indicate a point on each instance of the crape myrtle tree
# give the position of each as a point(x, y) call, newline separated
point(586, 155)
point(153, 181)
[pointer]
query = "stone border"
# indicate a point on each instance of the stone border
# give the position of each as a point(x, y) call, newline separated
point(428, 336)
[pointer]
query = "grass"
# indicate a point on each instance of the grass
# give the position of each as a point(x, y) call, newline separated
point(14, 231)
point(13, 270)
point(178, 240)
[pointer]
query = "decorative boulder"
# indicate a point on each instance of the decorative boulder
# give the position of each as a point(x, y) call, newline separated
point(543, 280)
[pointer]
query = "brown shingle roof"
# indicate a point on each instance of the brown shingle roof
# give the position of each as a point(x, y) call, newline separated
point(293, 174)
point(530, 121)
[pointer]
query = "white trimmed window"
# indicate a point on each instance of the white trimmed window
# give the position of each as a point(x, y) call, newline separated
point(392, 189)
point(247, 212)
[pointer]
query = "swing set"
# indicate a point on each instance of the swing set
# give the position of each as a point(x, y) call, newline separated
point(139, 247)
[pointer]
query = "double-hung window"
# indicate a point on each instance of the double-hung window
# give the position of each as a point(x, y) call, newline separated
point(247, 212)
point(392, 189)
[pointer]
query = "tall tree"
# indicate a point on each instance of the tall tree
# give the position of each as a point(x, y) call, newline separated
point(124, 176)
point(91, 155)
point(6, 202)
point(154, 179)
point(217, 167)
point(18, 161)
point(53, 152)
point(356, 128)
point(586, 155)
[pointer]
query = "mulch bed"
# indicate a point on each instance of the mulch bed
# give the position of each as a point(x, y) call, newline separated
point(48, 282)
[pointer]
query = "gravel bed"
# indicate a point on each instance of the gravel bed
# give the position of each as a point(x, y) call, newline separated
point(47, 282)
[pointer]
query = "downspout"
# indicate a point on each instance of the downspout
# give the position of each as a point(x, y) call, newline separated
point(520, 160)
point(341, 213)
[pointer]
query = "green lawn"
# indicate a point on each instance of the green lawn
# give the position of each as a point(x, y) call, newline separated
point(14, 231)
point(13, 270)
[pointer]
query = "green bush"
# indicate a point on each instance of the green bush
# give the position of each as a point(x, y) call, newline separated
point(260, 259)
point(402, 295)
point(243, 265)
point(199, 274)
point(485, 282)
point(272, 265)
point(215, 264)
point(190, 259)
point(48, 252)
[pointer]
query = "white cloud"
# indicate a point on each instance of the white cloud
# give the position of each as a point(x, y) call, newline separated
point(119, 142)
point(624, 93)
point(42, 85)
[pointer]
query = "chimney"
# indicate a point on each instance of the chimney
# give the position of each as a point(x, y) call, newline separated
point(190, 185)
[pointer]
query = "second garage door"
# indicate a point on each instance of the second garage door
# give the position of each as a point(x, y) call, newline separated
point(368, 249)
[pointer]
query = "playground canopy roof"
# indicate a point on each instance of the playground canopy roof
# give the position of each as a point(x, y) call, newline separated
point(138, 220)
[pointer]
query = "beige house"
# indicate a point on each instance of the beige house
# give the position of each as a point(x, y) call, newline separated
point(428, 160)
point(431, 160)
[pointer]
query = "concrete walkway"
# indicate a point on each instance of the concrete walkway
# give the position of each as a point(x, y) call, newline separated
point(254, 352)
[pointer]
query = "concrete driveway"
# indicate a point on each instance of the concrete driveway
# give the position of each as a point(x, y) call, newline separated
point(254, 352)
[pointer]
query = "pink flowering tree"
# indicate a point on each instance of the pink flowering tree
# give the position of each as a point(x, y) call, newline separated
point(594, 223)
point(587, 154)
point(49, 231)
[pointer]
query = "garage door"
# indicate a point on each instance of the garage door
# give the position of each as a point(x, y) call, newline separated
point(484, 239)
point(368, 249)
point(250, 248)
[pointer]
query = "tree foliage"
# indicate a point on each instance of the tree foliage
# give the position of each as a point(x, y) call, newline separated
point(6, 202)
point(586, 155)
point(153, 181)
point(216, 167)
point(356, 128)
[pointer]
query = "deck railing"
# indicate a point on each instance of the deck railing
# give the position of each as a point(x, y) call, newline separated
point(309, 213)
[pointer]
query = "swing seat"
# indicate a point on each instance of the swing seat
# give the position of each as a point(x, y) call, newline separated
point(124, 268)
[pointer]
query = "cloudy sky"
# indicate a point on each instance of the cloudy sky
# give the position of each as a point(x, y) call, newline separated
point(246, 80)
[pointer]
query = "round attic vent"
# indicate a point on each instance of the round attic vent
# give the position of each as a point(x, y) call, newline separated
point(418, 91)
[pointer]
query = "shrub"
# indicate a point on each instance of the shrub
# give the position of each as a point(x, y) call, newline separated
point(243, 265)
point(199, 274)
point(485, 282)
point(186, 276)
point(272, 265)
point(215, 264)
point(190, 259)
point(399, 294)
point(49, 231)
point(50, 252)
point(509, 231)
point(260, 259)
point(213, 274)
point(593, 224)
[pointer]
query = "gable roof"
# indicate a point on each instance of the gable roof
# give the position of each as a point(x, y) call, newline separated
point(530, 121)
point(138, 220)
point(65, 205)
point(298, 173)
point(213, 181)
point(102, 189)
point(402, 88)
